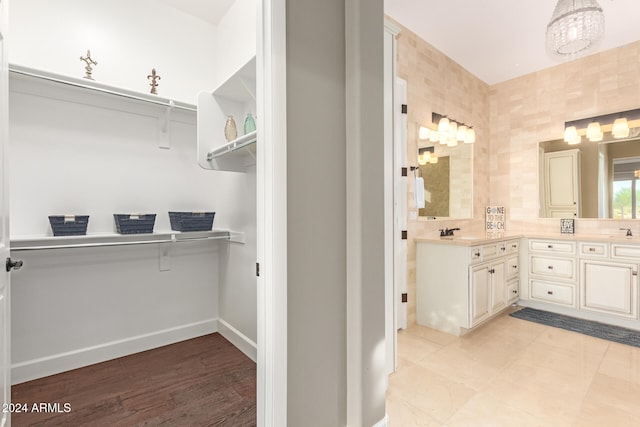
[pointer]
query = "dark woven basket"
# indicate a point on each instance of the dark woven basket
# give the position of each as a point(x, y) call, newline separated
point(69, 225)
point(191, 221)
point(134, 223)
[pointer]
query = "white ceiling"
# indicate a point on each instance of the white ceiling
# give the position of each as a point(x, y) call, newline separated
point(498, 40)
point(208, 10)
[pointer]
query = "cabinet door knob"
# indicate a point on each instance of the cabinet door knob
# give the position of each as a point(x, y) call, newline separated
point(550, 292)
point(550, 267)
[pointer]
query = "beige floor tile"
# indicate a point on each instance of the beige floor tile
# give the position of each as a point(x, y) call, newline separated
point(513, 372)
point(582, 361)
point(546, 393)
point(432, 335)
point(621, 361)
point(413, 348)
point(606, 391)
point(402, 414)
point(485, 410)
point(469, 364)
point(429, 392)
point(598, 413)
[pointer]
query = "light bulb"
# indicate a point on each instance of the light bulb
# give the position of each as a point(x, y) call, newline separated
point(443, 125)
point(423, 133)
point(570, 134)
point(462, 133)
point(453, 129)
point(593, 130)
point(470, 137)
point(620, 128)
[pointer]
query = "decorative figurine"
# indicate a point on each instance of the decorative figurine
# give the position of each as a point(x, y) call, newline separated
point(154, 81)
point(89, 63)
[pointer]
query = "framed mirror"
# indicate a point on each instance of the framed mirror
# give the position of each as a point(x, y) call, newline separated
point(448, 182)
point(590, 179)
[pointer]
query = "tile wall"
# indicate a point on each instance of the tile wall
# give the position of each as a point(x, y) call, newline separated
point(510, 118)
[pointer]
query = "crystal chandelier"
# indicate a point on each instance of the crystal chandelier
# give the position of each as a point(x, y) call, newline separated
point(575, 26)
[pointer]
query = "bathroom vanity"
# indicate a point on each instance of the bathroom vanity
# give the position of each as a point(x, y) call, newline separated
point(464, 281)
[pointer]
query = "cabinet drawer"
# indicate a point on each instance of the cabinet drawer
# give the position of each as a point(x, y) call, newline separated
point(513, 291)
point(560, 268)
point(475, 254)
point(625, 251)
point(594, 249)
point(513, 266)
point(490, 251)
point(552, 246)
point(512, 246)
point(557, 293)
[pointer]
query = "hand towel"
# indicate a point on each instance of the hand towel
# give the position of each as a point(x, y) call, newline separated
point(418, 193)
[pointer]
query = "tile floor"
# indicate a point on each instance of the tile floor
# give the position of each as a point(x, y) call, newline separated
point(512, 372)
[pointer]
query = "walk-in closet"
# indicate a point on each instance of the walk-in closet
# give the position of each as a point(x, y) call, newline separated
point(120, 107)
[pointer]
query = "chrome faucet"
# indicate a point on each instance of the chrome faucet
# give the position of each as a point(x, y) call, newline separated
point(447, 231)
point(628, 232)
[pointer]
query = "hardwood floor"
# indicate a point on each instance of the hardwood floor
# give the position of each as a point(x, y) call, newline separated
point(204, 381)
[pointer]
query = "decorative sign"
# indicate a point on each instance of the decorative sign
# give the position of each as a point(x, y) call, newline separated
point(567, 226)
point(496, 220)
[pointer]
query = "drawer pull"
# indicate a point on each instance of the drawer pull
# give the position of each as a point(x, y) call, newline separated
point(550, 292)
point(514, 291)
point(550, 246)
point(592, 249)
point(476, 254)
point(550, 267)
point(503, 248)
point(514, 246)
point(514, 266)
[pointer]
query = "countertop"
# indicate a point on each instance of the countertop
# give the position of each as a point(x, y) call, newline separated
point(480, 239)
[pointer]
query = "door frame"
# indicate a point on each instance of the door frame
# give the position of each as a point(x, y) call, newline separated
point(271, 174)
point(5, 280)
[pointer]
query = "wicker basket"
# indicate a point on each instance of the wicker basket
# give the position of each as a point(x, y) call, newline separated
point(191, 221)
point(69, 225)
point(134, 223)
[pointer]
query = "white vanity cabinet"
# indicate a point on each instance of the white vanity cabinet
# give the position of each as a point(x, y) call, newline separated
point(609, 287)
point(460, 285)
point(594, 278)
point(552, 272)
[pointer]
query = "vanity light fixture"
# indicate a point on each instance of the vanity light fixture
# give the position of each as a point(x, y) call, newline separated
point(427, 155)
point(593, 128)
point(575, 27)
point(449, 131)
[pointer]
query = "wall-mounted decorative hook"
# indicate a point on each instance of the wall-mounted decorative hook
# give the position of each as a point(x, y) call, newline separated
point(89, 62)
point(154, 81)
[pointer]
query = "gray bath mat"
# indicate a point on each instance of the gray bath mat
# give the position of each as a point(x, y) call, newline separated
point(587, 327)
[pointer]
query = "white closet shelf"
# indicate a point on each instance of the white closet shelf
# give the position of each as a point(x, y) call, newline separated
point(99, 87)
point(244, 142)
point(32, 243)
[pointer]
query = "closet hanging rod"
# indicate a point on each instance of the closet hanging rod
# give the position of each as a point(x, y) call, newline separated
point(104, 244)
point(99, 87)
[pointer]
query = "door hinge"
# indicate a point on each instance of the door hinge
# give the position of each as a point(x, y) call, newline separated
point(404, 297)
point(404, 172)
point(404, 108)
point(258, 269)
point(403, 234)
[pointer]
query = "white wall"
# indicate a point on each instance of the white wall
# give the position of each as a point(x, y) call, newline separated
point(126, 37)
point(73, 152)
point(236, 39)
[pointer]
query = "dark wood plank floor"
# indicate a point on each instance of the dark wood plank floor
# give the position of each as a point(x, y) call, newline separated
point(205, 381)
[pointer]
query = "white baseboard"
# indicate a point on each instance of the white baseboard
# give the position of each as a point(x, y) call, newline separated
point(45, 366)
point(238, 339)
point(383, 422)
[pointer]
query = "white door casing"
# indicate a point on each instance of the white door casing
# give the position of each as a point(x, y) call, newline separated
point(5, 331)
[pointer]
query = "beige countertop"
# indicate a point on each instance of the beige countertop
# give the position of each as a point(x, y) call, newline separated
point(480, 239)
